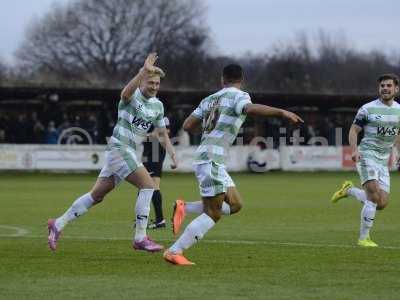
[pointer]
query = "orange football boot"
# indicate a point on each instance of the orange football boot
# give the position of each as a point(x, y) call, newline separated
point(178, 216)
point(177, 259)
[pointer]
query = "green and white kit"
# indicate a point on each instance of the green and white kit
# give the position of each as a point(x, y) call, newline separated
point(381, 125)
point(134, 120)
point(222, 116)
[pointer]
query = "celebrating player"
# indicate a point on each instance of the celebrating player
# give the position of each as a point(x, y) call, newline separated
point(221, 114)
point(380, 120)
point(138, 110)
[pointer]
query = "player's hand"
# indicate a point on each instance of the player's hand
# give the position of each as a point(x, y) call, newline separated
point(148, 65)
point(150, 68)
point(174, 164)
point(355, 156)
point(292, 117)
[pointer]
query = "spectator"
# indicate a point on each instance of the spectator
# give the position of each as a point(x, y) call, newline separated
point(21, 130)
point(38, 133)
point(2, 136)
point(90, 125)
point(52, 133)
point(65, 123)
point(3, 128)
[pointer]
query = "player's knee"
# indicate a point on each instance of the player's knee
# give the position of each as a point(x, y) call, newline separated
point(97, 196)
point(148, 185)
point(382, 204)
point(236, 207)
point(214, 214)
point(374, 197)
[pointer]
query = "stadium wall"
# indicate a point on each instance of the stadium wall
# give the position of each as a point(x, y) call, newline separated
point(240, 158)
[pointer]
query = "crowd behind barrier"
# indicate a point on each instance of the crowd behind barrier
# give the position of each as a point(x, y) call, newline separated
point(43, 124)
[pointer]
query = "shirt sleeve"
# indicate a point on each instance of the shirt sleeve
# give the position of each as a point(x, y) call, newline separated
point(160, 121)
point(198, 112)
point(243, 99)
point(361, 118)
point(166, 121)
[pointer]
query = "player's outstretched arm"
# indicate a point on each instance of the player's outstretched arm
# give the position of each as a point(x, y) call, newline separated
point(163, 138)
point(353, 137)
point(253, 109)
point(147, 69)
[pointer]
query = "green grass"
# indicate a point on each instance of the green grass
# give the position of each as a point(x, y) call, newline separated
point(288, 242)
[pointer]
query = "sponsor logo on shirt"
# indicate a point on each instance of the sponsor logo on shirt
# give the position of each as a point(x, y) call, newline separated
point(387, 131)
point(139, 122)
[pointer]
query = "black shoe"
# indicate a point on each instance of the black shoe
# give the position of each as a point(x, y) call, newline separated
point(155, 225)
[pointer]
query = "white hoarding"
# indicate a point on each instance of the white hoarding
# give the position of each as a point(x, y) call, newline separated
point(311, 158)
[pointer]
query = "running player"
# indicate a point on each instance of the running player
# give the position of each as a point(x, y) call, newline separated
point(380, 120)
point(138, 110)
point(221, 114)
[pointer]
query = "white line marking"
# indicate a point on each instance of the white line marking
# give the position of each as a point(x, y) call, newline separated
point(18, 231)
point(233, 242)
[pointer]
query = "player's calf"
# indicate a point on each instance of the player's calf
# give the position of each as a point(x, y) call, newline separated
point(101, 188)
point(235, 207)
point(378, 198)
point(234, 200)
point(213, 205)
point(97, 198)
point(214, 214)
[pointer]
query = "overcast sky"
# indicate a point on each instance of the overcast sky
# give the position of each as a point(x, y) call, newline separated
point(238, 26)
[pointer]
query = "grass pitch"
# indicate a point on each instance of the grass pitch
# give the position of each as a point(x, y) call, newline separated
point(288, 242)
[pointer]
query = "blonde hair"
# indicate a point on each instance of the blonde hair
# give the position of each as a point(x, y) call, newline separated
point(157, 72)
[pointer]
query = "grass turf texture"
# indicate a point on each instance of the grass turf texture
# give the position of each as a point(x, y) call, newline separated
point(288, 242)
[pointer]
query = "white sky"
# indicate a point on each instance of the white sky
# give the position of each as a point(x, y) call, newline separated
point(238, 26)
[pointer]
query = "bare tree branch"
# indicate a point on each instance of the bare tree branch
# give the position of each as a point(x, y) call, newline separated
point(103, 40)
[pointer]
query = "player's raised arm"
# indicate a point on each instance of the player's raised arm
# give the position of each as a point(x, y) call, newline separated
point(269, 111)
point(147, 69)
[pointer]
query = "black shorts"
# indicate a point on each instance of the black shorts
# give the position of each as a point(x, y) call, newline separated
point(153, 164)
point(154, 168)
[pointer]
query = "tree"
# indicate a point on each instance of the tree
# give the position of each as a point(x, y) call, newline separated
point(103, 41)
point(4, 76)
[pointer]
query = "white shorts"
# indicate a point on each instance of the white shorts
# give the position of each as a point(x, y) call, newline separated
point(213, 179)
point(120, 162)
point(368, 169)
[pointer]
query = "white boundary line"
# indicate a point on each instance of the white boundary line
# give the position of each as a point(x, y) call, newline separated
point(19, 231)
point(233, 242)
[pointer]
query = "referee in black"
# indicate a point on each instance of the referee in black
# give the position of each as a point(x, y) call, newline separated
point(153, 159)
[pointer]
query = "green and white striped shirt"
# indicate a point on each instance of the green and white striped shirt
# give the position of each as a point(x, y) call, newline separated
point(222, 116)
point(381, 124)
point(135, 119)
